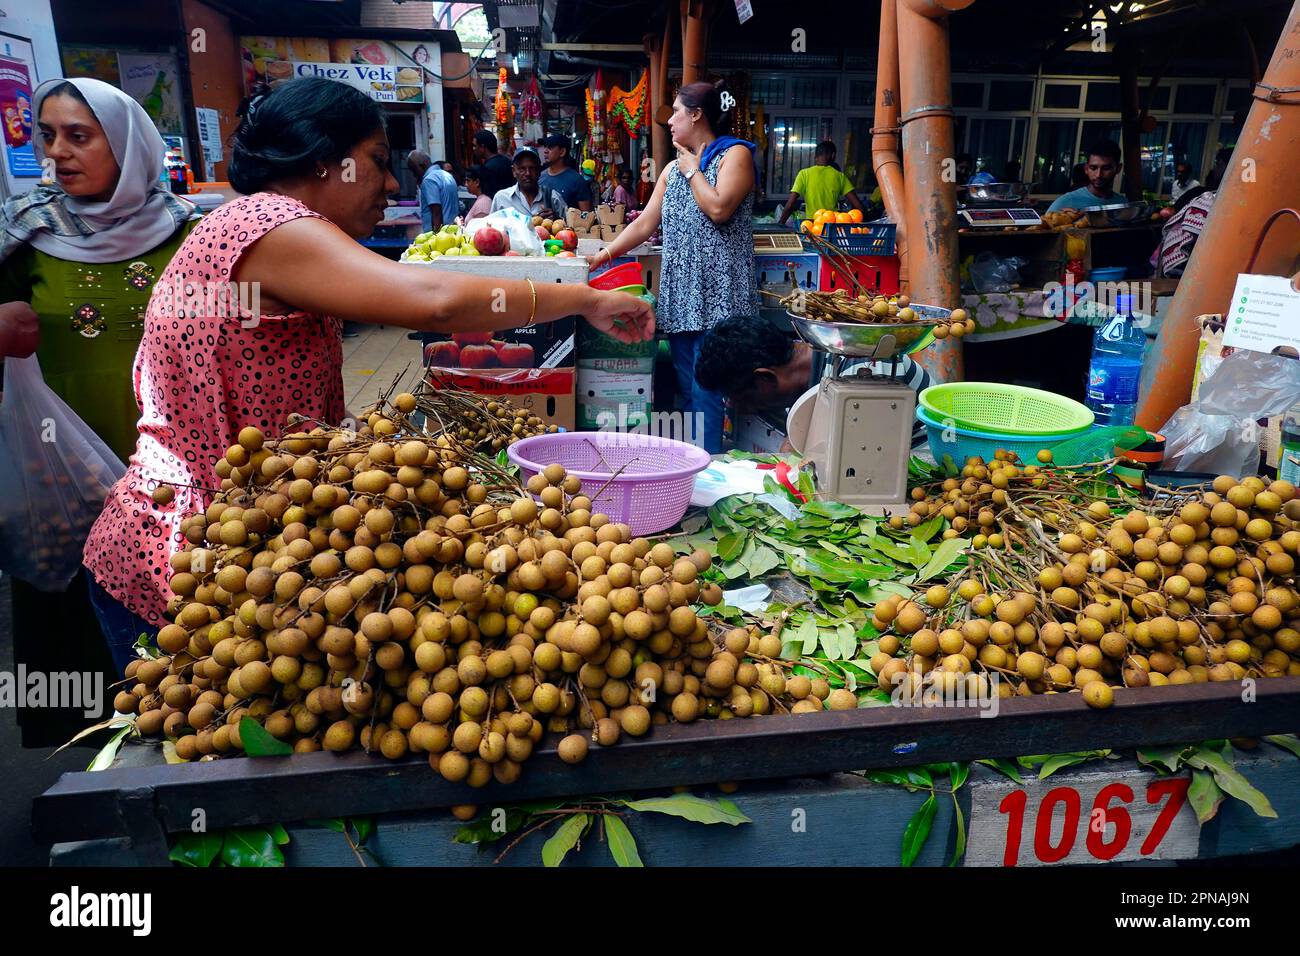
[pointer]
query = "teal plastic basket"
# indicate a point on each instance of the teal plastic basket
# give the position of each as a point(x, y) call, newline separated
point(1079, 447)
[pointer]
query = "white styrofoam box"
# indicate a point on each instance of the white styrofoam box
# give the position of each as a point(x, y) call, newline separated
point(537, 268)
point(776, 270)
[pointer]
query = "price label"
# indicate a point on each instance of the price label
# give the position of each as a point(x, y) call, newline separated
point(1082, 817)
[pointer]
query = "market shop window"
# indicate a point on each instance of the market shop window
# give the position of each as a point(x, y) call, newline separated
point(1194, 98)
point(768, 90)
point(793, 140)
point(967, 94)
point(995, 142)
point(814, 92)
point(1154, 100)
point(1156, 153)
point(1103, 97)
point(856, 155)
point(1238, 99)
point(1011, 94)
point(1054, 155)
point(1186, 145)
point(1229, 133)
point(862, 93)
point(1062, 96)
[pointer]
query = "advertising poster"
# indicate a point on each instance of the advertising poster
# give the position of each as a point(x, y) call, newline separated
point(372, 66)
point(152, 80)
point(16, 83)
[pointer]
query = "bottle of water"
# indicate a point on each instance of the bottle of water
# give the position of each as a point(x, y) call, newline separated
point(1116, 366)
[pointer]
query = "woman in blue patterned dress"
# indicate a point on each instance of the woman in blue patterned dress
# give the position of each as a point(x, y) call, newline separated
point(704, 200)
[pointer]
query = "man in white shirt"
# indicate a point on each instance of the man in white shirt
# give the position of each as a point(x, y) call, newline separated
point(1183, 181)
point(525, 195)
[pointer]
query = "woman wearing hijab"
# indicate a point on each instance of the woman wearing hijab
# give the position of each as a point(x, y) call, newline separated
point(77, 261)
point(84, 254)
point(704, 201)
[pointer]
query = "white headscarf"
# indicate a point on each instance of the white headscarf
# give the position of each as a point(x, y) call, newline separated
point(141, 213)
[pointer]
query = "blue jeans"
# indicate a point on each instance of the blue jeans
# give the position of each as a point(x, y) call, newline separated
point(693, 397)
point(121, 627)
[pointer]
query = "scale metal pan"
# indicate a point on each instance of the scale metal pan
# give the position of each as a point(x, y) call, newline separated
point(875, 341)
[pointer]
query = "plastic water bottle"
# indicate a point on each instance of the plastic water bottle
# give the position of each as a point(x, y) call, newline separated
point(1116, 366)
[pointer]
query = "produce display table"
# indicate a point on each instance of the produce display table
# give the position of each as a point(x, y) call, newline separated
point(127, 813)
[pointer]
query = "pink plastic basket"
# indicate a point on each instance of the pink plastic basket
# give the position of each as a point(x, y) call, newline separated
point(651, 494)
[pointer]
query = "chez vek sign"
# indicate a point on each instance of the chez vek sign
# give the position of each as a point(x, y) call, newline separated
point(387, 84)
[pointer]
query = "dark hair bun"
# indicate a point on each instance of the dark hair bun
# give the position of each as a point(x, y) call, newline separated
point(708, 99)
point(297, 125)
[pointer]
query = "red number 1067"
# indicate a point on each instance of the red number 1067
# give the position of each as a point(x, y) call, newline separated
point(1173, 790)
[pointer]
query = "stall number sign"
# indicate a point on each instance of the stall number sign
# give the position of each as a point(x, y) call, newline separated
point(1082, 818)
point(1264, 316)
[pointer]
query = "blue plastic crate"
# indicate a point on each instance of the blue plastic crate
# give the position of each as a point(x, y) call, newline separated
point(861, 238)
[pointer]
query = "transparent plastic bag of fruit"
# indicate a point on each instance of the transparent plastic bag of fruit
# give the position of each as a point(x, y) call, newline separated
point(54, 475)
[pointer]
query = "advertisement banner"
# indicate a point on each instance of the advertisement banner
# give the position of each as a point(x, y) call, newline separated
point(152, 80)
point(16, 118)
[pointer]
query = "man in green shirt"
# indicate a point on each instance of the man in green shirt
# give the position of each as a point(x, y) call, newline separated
point(821, 185)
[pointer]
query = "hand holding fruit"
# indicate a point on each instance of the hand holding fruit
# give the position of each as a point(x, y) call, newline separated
point(625, 317)
point(20, 330)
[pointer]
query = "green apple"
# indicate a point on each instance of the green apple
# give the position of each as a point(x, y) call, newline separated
point(434, 254)
point(471, 251)
point(423, 237)
point(453, 251)
point(444, 242)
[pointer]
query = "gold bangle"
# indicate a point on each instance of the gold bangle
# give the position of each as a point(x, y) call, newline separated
point(532, 314)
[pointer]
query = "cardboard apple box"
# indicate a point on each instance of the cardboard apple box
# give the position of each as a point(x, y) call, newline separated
point(611, 215)
point(579, 220)
point(548, 393)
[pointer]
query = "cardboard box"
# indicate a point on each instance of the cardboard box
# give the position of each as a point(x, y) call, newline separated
point(579, 221)
point(546, 345)
point(611, 215)
point(612, 400)
point(549, 393)
point(626, 365)
point(594, 344)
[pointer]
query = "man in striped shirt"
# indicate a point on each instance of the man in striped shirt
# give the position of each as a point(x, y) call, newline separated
point(763, 370)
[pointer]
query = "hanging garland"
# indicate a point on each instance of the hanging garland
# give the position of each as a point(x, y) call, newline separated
point(628, 107)
point(503, 100)
point(596, 138)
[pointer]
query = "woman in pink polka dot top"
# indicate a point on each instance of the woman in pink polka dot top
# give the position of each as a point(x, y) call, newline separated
point(243, 327)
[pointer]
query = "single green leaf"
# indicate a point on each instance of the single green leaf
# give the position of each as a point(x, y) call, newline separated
point(807, 635)
point(835, 549)
point(1286, 742)
point(957, 775)
point(279, 834)
point(1231, 781)
point(564, 839)
point(917, 830)
point(730, 545)
point(245, 846)
point(1204, 795)
point(805, 485)
point(621, 845)
point(887, 776)
point(104, 759)
point(364, 827)
point(959, 848)
point(928, 529)
point(920, 777)
point(1058, 762)
point(690, 807)
point(258, 743)
point(763, 560)
point(1003, 766)
point(335, 824)
point(944, 555)
point(1168, 759)
point(693, 523)
point(834, 510)
point(950, 469)
point(146, 643)
point(196, 849)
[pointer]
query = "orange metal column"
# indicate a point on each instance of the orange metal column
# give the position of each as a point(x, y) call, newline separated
point(1259, 180)
point(927, 120)
point(695, 34)
point(885, 135)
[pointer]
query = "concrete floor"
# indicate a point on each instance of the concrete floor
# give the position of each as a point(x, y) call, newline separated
point(371, 361)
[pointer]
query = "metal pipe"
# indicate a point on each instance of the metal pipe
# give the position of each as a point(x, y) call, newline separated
point(695, 34)
point(925, 75)
point(885, 161)
point(1258, 181)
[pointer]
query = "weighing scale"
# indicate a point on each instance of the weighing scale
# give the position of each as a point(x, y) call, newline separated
point(996, 206)
point(1010, 217)
point(855, 428)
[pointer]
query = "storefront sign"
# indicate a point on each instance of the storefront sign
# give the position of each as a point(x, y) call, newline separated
point(1264, 316)
point(387, 84)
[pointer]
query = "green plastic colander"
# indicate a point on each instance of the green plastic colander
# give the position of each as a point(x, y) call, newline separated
point(1010, 409)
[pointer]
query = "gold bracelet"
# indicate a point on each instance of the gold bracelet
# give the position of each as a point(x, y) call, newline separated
point(532, 314)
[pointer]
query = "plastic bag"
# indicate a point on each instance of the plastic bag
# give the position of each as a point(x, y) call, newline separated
point(1218, 432)
point(54, 475)
point(518, 227)
point(992, 273)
